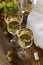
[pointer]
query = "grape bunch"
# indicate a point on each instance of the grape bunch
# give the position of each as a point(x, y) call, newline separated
point(9, 6)
point(9, 56)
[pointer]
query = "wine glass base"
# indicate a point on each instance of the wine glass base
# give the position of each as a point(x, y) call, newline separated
point(24, 54)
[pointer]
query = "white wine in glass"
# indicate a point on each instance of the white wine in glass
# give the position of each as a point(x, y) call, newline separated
point(25, 40)
point(14, 24)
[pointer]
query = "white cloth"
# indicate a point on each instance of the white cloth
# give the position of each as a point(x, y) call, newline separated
point(35, 23)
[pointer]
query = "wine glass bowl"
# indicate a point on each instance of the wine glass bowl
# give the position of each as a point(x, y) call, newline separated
point(14, 24)
point(25, 38)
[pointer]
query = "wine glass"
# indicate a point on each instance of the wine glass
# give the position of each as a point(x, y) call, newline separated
point(24, 4)
point(25, 40)
point(14, 26)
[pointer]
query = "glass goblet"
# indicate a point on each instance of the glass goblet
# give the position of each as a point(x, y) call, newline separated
point(23, 4)
point(14, 26)
point(25, 40)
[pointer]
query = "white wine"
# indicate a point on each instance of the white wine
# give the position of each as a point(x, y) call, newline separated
point(25, 38)
point(14, 24)
point(23, 42)
point(13, 27)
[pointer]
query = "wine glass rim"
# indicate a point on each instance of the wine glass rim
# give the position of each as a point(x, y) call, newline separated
point(7, 18)
point(27, 32)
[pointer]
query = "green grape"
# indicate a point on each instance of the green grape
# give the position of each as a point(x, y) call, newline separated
point(5, 11)
point(10, 11)
point(4, 4)
point(10, 59)
point(1, 6)
point(10, 7)
point(16, 3)
point(10, 4)
point(9, 53)
point(15, 8)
